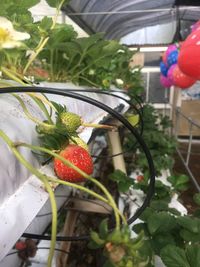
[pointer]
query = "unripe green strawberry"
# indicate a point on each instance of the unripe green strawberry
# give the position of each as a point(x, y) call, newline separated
point(45, 128)
point(80, 158)
point(71, 121)
point(76, 140)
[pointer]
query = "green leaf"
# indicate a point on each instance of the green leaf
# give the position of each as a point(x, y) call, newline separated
point(193, 255)
point(159, 205)
point(189, 223)
point(123, 181)
point(46, 23)
point(146, 214)
point(162, 205)
point(5, 5)
point(189, 236)
point(161, 240)
point(25, 4)
point(197, 213)
point(88, 42)
point(115, 236)
point(146, 251)
point(174, 211)
point(133, 119)
point(60, 35)
point(73, 48)
point(173, 256)
point(60, 108)
point(108, 263)
point(96, 238)
point(103, 229)
point(196, 198)
point(161, 190)
point(97, 50)
point(55, 3)
point(137, 228)
point(161, 222)
point(179, 182)
point(111, 47)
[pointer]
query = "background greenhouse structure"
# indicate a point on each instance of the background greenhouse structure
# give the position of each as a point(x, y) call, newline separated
point(147, 28)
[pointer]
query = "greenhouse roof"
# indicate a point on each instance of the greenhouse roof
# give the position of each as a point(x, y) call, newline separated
point(118, 18)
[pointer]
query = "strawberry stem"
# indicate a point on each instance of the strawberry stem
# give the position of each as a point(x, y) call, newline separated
point(111, 201)
point(29, 116)
point(39, 99)
point(43, 99)
point(102, 126)
point(46, 179)
point(68, 163)
point(40, 102)
point(12, 76)
point(79, 187)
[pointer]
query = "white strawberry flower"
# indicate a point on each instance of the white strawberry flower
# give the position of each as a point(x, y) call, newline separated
point(119, 81)
point(120, 51)
point(9, 37)
point(91, 72)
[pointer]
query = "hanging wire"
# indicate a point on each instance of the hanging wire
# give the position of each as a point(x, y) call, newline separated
point(115, 115)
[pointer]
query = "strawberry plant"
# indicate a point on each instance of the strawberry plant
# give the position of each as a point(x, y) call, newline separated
point(73, 164)
point(172, 236)
point(161, 145)
point(47, 50)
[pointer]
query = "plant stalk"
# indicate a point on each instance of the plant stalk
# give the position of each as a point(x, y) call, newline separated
point(102, 126)
point(29, 116)
point(68, 163)
point(35, 96)
point(12, 76)
point(42, 107)
point(43, 40)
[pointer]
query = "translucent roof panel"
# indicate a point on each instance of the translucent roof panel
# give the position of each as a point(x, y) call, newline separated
point(118, 18)
point(158, 34)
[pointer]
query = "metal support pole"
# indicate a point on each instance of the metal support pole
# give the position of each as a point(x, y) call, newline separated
point(147, 87)
point(189, 171)
point(190, 143)
point(177, 122)
point(118, 161)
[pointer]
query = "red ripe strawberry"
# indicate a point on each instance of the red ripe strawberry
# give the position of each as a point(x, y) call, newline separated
point(20, 245)
point(79, 157)
point(140, 178)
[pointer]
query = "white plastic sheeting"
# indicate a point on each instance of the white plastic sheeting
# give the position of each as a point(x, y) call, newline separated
point(157, 34)
point(21, 194)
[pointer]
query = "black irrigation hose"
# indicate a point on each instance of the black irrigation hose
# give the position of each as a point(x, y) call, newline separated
point(58, 238)
point(116, 115)
point(38, 248)
point(117, 96)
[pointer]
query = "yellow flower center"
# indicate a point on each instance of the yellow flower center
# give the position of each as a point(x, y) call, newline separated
point(4, 35)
